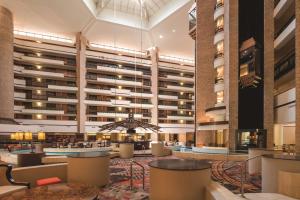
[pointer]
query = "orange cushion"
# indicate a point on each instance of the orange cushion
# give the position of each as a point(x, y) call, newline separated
point(48, 181)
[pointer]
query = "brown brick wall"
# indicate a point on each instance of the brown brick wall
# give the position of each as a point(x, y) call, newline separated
point(269, 71)
point(297, 74)
point(231, 68)
point(204, 63)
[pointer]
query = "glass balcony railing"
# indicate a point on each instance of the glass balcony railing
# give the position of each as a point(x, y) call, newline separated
point(284, 66)
point(192, 18)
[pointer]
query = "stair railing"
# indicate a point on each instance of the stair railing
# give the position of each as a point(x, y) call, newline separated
point(131, 173)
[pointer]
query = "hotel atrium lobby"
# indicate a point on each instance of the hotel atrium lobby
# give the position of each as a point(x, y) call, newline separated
point(149, 99)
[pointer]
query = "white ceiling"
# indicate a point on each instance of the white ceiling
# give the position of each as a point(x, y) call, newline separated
point(149, 7)
point(166, 18)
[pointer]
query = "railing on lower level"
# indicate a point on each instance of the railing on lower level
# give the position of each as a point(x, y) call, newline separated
point(284, 66)
point(243, 173)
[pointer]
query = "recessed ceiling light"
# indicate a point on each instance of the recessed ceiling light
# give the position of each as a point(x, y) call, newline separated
point(161, 36)
point(173, 30)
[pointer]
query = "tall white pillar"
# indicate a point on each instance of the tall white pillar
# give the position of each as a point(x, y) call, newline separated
point(6, 64)
point(81, 83)
point(154, 89)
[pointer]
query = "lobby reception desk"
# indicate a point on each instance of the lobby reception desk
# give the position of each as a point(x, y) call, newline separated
point(91, 168)
point(179, 179)
point(273, 166)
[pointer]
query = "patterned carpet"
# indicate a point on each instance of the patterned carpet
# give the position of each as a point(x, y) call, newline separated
point(119, 187)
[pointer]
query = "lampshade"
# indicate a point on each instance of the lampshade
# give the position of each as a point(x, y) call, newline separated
point(19, 135)
point(28, 136)
point(41, 135)
point(13, 136)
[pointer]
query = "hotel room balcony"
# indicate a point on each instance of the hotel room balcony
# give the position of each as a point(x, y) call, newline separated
point(119, 70)
point(40, 60)
point(119, 115)
point(62, 88)
point(168, 97)
point(40, 111)
point(219, 61)
point(62, 100)
point(119, 82)
point(120, 102)
point(219, 87)
point(36, 73)
point(180, 117)
point(20, 82)
point(97, 103)
point(281, 8)
point(167, 107)
point(19, 95)
point(285, 34)
point(180, 88)
point(219, 36)
point(180, 78)
point(219, 10)
point(212, 126)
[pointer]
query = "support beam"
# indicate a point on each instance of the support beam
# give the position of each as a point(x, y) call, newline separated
point(154, 89)
point(231, 69)
point(6, 64)
point(269, 71)
point(205, 51)
point(297, 73)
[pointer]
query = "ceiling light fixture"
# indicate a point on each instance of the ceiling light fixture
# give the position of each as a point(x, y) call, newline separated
point(39, 67)
point(161, 36)
point(173, 30)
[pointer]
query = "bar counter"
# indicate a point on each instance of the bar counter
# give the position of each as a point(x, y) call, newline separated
point(273, 165)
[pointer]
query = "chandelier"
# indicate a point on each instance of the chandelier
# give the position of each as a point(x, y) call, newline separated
point(129, 124)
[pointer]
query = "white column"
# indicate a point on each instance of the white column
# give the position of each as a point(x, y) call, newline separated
point(81, 83)
point(154, 89)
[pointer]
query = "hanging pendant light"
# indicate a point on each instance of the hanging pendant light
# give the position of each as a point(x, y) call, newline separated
point(28, 135)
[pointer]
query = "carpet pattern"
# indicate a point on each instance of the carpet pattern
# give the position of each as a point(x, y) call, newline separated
point(119, 186)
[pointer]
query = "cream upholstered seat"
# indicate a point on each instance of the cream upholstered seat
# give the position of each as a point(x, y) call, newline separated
point(7, 183)
point(158, 149)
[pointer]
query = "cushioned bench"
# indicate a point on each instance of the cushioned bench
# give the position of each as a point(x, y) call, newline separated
point(48, 181)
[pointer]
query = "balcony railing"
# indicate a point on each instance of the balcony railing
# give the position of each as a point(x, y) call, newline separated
point(284, 66)
point(284, 27)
